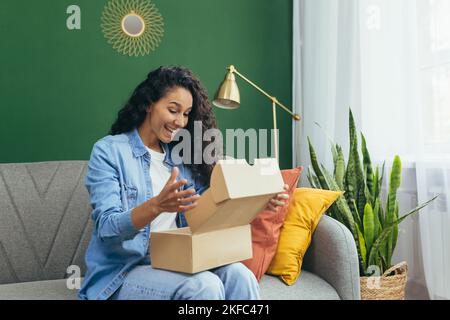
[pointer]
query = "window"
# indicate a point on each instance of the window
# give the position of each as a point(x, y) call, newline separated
point(434, 55)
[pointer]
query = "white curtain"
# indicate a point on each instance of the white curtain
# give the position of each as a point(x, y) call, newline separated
point(389, 60)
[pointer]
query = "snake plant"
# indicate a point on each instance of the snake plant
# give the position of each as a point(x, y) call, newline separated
point(372, 222)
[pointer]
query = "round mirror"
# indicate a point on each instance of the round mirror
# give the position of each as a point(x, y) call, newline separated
point(133, 25)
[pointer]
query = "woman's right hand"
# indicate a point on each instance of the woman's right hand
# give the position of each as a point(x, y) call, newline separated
point(169, 200)
point(172, 200)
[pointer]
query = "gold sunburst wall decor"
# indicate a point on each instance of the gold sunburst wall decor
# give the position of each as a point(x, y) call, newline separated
point(132, 27)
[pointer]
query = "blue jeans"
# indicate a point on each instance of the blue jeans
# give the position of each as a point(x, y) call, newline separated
point(230, 282)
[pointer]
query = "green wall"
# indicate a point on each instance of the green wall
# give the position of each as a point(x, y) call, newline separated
point(60, 89)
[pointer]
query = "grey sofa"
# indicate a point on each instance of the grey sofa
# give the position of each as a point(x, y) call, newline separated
point(45, 227)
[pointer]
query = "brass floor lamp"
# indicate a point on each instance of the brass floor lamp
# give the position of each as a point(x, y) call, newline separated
point(228, 97)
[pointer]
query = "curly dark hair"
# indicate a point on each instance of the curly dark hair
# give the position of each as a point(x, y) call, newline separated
point(155, 87)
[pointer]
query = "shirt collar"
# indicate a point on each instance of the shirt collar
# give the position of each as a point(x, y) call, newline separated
point(139, 148)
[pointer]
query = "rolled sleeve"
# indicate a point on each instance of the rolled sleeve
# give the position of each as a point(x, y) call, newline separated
point(126, 226)
point(102, 182)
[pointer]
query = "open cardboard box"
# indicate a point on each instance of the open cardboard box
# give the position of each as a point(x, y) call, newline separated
point(219, 227)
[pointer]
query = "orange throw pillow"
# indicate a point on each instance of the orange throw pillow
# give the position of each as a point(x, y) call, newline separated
point(266, 229)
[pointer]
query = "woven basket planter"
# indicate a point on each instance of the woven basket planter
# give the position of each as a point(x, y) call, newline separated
point(386, 287)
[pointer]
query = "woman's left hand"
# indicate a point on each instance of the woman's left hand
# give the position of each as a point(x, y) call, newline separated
point(278, 201)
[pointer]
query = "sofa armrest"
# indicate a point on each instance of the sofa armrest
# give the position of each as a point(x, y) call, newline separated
point(332, 256)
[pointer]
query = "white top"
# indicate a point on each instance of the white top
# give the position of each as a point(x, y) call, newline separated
point(159, 174)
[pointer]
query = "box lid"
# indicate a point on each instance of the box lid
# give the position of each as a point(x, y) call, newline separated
point(238, 192)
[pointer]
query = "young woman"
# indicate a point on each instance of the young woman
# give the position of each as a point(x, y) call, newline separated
point(135, 188)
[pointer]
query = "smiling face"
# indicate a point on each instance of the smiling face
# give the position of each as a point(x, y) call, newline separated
point(168, 115)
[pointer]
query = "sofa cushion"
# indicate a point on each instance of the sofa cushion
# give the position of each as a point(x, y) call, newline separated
point(45, 223)
point(38, 290)
point(266, 229)
point(308, 287)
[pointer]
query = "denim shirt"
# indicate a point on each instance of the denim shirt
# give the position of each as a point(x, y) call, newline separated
point(118, 180)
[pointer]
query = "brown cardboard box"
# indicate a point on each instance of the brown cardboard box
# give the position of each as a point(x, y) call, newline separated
point(219, 227)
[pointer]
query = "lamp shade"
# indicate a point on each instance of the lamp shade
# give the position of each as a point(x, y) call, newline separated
point(227, 96)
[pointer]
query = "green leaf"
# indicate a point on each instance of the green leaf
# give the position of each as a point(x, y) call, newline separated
point(388, 246)
point(369, 226)
point(339, 171)
point(381, 215)
point(362, 246)
point(395, 179)
point(341, 205)
point(394, 233)
point(350, 183)
point(361, 200)
point(356, 216)
point(367, 165)
point(354, 175)
point(316, 166)
point(375, 185)
point(346, 215)
point(368, 194)
point(394, 184)
point(312, 178)
point(380, 181)
point(384, 265)
point(376, 220)
point(387, 230)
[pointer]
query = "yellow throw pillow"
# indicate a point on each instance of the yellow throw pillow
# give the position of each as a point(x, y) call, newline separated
point(304, 212)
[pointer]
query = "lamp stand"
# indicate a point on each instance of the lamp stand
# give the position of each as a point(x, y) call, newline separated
point(275, 133)
point(227, 97)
